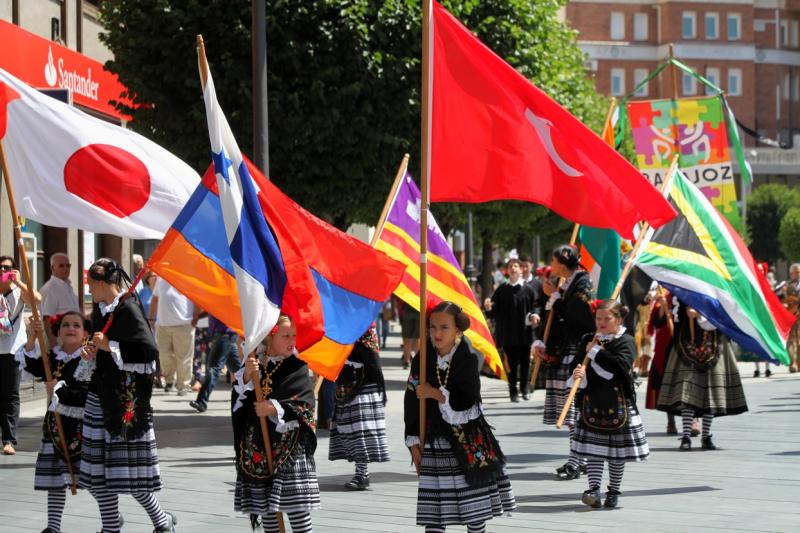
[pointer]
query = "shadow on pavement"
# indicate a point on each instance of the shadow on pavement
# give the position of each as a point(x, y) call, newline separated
point(625, 494)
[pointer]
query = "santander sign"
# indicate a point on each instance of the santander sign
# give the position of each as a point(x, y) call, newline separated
point(43, 63)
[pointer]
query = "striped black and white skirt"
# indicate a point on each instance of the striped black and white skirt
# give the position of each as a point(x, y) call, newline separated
point(51, 471)
point(445, 498)
point(358, 432)
point(113, 464)
point(626, 444)
point(556, 392)
point(293, 489)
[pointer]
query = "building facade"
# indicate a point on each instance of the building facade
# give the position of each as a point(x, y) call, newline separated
point(748, 48)
point(67, 30)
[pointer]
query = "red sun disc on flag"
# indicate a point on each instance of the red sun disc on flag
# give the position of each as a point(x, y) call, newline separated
point(108, 177)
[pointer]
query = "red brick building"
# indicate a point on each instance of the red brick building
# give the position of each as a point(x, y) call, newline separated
point(749, 48)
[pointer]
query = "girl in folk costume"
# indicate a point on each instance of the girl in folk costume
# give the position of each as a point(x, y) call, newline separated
point(358, 432)
point(119, 453)
point(660, 326)
point(462, 473)
point(609, 427)
point(289, 405)
point(701, 378)
point(572, 319)
point(71, 375)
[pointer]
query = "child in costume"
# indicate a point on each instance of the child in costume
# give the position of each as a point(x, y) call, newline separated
point(289, 407)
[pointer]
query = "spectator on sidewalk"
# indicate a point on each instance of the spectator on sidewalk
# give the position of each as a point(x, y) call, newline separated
point(175, 321)
point(58, 296)
point(223, 352)
point(13, 297)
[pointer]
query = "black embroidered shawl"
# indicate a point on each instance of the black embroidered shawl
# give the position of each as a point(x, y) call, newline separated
point(125, 396)
point(473, 443)
point(292, 387)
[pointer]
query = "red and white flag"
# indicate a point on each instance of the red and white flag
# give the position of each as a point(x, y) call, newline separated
point(70, 169)
point(496, 136)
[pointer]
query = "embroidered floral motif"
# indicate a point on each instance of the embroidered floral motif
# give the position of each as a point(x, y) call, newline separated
point(252, 459)
point(412, 383)
point(72, 432)
point(607, 414)
point(701, 357)
point(480, 451)
point(128, 401)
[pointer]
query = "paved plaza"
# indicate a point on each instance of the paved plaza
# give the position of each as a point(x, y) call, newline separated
point(751, 483)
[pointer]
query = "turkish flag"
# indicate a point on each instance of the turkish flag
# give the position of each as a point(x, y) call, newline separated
point(496, 136)
point(70, 169)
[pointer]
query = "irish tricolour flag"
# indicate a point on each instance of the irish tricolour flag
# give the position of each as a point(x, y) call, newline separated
point(704, 262)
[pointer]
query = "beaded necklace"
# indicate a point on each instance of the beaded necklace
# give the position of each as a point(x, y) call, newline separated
point(446, 375)
point(266, 383)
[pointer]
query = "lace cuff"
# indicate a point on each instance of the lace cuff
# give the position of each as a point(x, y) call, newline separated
point(412, 440)
point(281, 426)
point(599, 370)
point(57, 407)
point(451, 416)
point(553, 297)
point(241, 388)
point(705, 323)
point(22, 353)
point(140, 368)
point(538, 344)
point(85, 369)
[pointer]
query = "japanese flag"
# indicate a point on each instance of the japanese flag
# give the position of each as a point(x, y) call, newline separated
point(69, 169)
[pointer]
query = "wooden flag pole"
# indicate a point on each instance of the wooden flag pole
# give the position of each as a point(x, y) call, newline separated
point(398, 179)
point(35, 310)
point(262, 420)
point(625, 272)
point(427, 75)
point(537, 365)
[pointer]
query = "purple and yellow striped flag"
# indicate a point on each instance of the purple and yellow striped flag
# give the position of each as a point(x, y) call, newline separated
point(399, 239)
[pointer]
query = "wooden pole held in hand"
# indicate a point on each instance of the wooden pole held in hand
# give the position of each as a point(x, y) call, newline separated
point(35, 311)
point(640, 240)
point(398, 179)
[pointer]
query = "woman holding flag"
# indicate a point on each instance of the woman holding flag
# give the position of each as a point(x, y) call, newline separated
point(288, 406)
point(119, 453)
point(572, 319)
point(462, 472)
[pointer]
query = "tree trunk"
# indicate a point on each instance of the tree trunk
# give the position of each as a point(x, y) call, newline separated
point(487, 269)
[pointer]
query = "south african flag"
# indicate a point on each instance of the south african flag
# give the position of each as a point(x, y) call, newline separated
point(705, 264)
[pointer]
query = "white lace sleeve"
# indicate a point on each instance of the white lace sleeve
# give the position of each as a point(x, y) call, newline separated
point(241, 388)
point(451, 416)
point(58, 407)
point(141, 368)
point(553, 297)
point(22, 353)
point(85, 369)
point(412, 440)
point(282, 426)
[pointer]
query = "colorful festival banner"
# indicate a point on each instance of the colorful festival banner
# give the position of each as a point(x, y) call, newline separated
point(696, 127)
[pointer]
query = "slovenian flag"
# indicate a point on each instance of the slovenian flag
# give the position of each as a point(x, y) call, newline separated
point(246, 253)
point(706, 265)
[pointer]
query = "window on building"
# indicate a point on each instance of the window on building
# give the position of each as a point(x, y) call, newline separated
point(794, 38)
point(712, 26)
point(689, 84)
point(712, 75)
point(734, 26)
point(640, 22)
point(617, 26)
point(785, 33)
point(618, 81)
point(796, 88)
point(688, 24)
point(785, 85)
point(734, 82)
point(638, 77)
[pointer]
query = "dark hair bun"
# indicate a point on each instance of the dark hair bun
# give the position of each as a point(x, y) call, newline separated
point(623, 311)
point(462, 321)
point(568, 255)
point(460, 318)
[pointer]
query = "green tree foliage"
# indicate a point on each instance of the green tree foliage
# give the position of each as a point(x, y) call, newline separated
point(789, 234)
point(766, 208)
point(344, 85)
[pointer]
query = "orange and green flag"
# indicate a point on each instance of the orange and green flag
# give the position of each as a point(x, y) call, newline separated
point(399, 239)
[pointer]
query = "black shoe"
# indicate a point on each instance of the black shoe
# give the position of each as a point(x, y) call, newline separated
point(357, 483)
point(199, 407)
point(591, 498)
point(170, 527)
point(708, 444)
point(612, 498)
point(756, 373)
point(582, 468)
point(768, 373)
point(569, 473)
point(48, 530)
point(405, 365)
point(526, 396)
point(169, 387)
point(686, 444)
point(514, 397)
